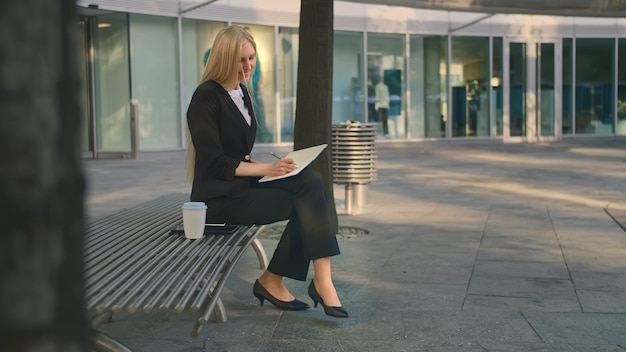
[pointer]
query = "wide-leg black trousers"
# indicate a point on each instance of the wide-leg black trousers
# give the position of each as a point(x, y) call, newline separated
point(310, 232)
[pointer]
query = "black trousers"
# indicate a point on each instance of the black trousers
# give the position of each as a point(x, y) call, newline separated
point(383, 115)
point(310, 232)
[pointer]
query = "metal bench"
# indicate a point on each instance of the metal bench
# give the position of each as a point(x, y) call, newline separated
point(133, 263)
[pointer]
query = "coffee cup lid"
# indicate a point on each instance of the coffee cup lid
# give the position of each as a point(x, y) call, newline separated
point(194, 206)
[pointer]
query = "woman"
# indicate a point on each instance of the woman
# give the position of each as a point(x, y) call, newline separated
point(222, 129)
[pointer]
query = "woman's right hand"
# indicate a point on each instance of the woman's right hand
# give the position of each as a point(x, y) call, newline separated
point(281, 167)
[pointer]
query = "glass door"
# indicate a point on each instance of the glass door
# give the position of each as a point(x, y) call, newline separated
point(515, 90)
point(84, 60)
point(532, 90)
point(111, 66)
point(548, 90)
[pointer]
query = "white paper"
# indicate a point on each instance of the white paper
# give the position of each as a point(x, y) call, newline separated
point(302, 158)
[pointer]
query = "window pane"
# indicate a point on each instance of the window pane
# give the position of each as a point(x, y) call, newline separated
point(154, 80)
point(496, 86)
point(263, 83)
point(427, 80)
point(83, 32)
point(348, 77)
point(198, 37)
point(469, 77)
point(517, 95)
point(594, 85)
point(568, 90)
point(385, 69)
point(621, 89)
point(111, 82)
point(416, 125)
point(546, 85)
point(435, 86)
point(288, 74)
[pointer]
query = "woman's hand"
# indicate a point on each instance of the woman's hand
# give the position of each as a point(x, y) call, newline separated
point(281, 167)
point(277, 168)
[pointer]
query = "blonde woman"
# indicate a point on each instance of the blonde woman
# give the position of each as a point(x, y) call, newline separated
point(222, 129)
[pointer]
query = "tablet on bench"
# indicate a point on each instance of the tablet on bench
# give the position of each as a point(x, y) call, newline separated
point(221, 229)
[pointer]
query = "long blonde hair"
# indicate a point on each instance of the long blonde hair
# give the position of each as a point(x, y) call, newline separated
point(223, 68)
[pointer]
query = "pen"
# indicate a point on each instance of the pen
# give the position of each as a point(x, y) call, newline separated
point(280, 157)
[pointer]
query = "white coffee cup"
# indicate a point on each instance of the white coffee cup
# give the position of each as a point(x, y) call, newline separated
point(194, 217)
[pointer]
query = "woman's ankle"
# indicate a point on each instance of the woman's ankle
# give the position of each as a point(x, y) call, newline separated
point(270, 279)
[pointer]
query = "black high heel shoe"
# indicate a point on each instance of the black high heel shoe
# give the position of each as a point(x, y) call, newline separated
point(261, 293)
point(337, 312)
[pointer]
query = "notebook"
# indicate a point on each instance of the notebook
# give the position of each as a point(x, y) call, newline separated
point(302, 158)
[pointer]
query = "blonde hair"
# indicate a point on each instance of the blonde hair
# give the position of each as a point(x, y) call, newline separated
point(223, 68)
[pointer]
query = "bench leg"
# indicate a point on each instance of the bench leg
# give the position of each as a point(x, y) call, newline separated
point(220, 312)
point(105, 343)
point(100, 319)
point(260, 253)
point(220, 316)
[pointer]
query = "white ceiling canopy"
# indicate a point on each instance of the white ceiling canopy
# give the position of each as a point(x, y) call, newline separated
point(588, 8)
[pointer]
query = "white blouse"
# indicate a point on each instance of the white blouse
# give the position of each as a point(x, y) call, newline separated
point(237, 96)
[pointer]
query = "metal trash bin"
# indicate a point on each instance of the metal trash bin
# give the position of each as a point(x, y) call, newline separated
point(354, 161)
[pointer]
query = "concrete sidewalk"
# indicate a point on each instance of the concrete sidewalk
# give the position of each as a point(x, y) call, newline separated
point(471, 246)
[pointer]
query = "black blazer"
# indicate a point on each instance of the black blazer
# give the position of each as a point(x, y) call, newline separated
point(222, 139)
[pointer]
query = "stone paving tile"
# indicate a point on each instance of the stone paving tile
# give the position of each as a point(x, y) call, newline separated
point(581, 329)
point(545, 347)
point(400, 296)
point(541, 255)
point(599, 281)
point(522, 287)
point(602, 301)
point(409, 272)
point(467, 328)
point(517, 304)
point(367, 321)
point(501, 268)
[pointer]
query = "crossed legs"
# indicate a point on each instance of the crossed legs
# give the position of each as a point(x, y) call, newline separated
point(309, 236)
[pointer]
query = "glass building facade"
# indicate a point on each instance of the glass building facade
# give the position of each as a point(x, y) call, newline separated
point(449, 75)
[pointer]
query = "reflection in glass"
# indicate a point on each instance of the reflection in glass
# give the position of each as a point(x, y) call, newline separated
point(83, 33)
point(545, 82)
point(594, 85)
point(154, 80)
point(435, 86)
point(496, 87)
point(621, 89)
point(263, 83)
point(517, 89)
point(568, 89)
point(417, 82)
point(112, 77)
point(470, 81)
point(348, 92)
point(288, 42)
point(385, 84)
point(198, 37)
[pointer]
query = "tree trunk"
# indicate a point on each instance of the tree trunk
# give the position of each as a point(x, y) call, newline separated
point(41, 181)
point(315, 85)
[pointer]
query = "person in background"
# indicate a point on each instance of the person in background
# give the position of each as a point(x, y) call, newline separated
point(382, 104)
point(221, 131)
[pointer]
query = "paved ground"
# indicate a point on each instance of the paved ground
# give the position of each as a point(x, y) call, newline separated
point(471, 246)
